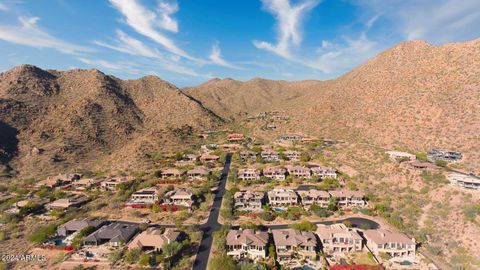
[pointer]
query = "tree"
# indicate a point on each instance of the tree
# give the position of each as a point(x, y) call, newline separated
point(304, 157)
point(347, 223)
point(267, 216)
point(319, 211)
point(144, 260)
point(222, 261)
point(170, 251)
point(132, 255)
point(41, 234)
point(272, 252)
point(115, 256)
point(441, 163)
point(333, 204)
point(305, 225)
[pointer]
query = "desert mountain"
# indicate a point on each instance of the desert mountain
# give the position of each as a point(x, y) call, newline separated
point(413, 96)
point(82, 117)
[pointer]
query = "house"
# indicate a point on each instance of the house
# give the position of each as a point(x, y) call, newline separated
point(298, 171)
point(209, 158)
point(464, 180)
point(144, 197)
point(115, 234)
point(67, 202)
point(190, 158)
point(445, 155)
point(291, 244)
point(17, 206)
point(276, 173)
point(291, 137)
point(59, 180)
point(395, 244)
point(313, 196)
point(250, 201)
point(339, 238)
point(282, 198)
point(248, 156)
point(235, 137)
point(292, 155)
point(231, 146)
point(111, 184)
point(250, 244)
point(154, 239)
point(400, 156)
point(197, 173)
point(171, 173)
point(269, 155)
point(323, 172)
point(86, 183)
point(179, 197)
point(76, 225)
point(423, 166)
point(349, 198)
point(248, 174)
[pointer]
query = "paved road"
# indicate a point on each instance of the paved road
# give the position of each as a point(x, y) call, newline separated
point(212, 224)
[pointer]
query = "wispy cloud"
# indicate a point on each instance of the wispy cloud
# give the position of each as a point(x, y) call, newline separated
point(437, 21)
point(289, 19)
point(98, 63)
point(3, 7)
point(132, 46)
point(216, 58)
point(148, 23)
point(28, 33)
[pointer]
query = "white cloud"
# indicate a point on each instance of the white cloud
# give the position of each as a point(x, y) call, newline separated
point(28, 33)
point(148, 23)
point(124, 67)
point(289, 18)
point(216, 58)
point(132, 46)
point(4, 7)
point(165, 10)
point(437, 21)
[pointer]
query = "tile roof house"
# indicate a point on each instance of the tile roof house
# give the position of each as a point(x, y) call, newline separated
point(235, 137)
point(154, 239)
point(339, 238)
point(69, 201)
point(397, 156)
point(292, 243)
point(209, 158)
point(291, 137)
point(115, 234)
point(469, 181)
point(281, 198)
point(146, 196)
point(298, 171)
point(348, 198)
point(276, 173)
point(171, 173)
point(323, 172)
point(248, 156)
point(111, 184)
point(395, 244)
point(423, 166)
point(85, 183)
point(248, 243)
point(59, 180)
point(248, 174)
point(250, 201)
point(292, 155)
point(269, 155)
point(197, 173)
point(180, 197)
point(313, 196)
point(76, 225)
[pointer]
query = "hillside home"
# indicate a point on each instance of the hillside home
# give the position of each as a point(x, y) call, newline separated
point(248, 174)
point(197, 173)
point(292, 155)
point(469, 181)
point(395, 244)
point(179, 197)
point(291, 244)
point(235, 137)
point(76, 225)
point(423, 166)
point(400, 156)
point(249, 201)
point(146, 196)
point(190, 158)
point(154, 239)
point(59, 180)
point(86, 183)
point(275, 173)
point(323, 172)
point(445, 155)
point(291, 137)
point(282, 198)
point(172, 173)
point(250, 244)
point(298, 171)
point(349, 198)
point(339, 238)
point(270, 126)
point(111, 184)
point(67, 202)
point(114, 234)
point(313, 196)
point(209, 158)
point(248, 156)
point(269, 155)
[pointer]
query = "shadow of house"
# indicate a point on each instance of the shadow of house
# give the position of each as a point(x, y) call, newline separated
point(8, 142)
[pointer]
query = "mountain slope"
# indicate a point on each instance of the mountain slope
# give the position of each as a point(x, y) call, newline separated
point(64, 119)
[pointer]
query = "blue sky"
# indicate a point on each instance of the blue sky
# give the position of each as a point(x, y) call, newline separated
point(188, 42)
